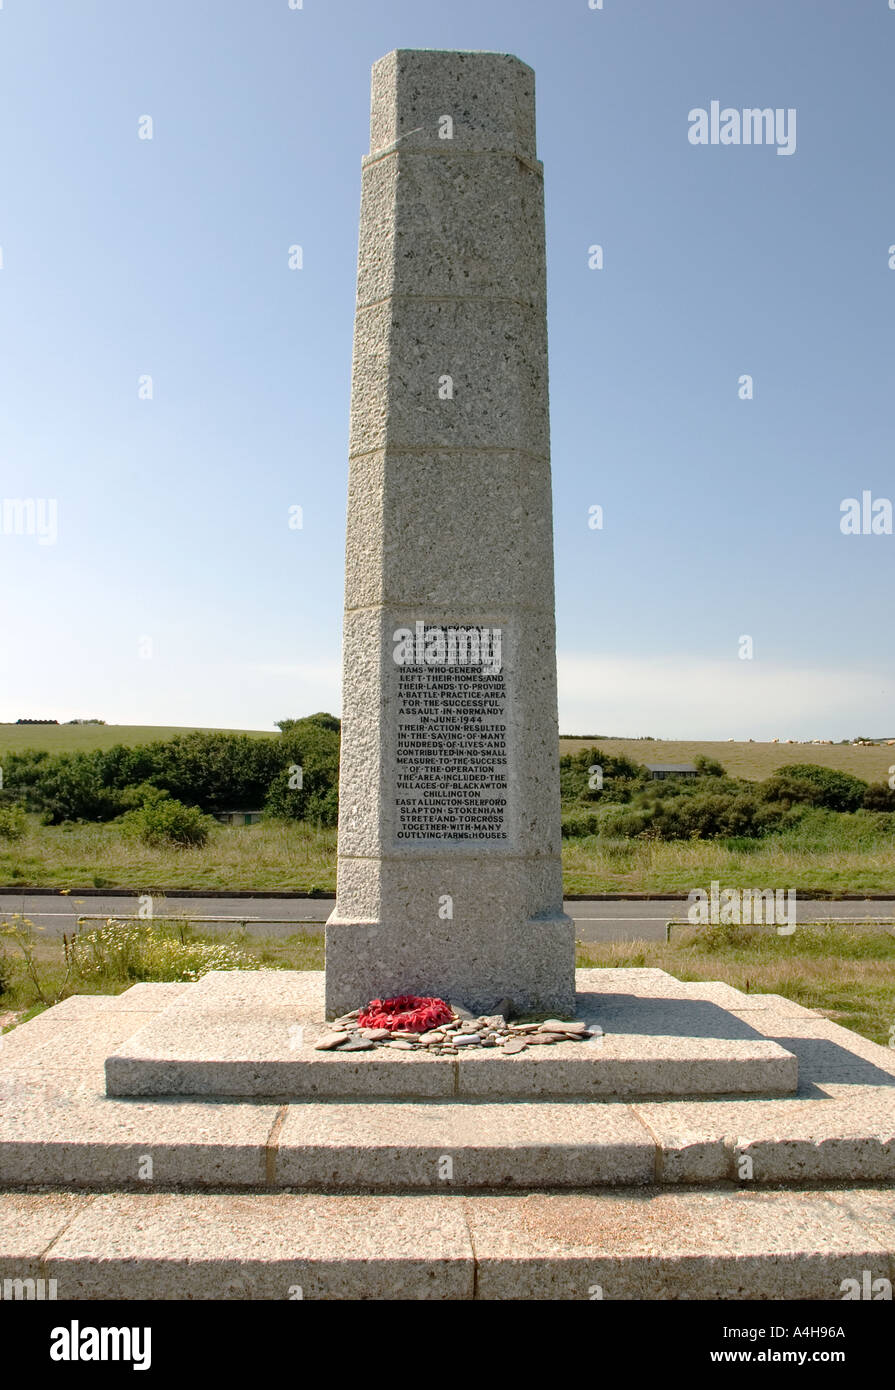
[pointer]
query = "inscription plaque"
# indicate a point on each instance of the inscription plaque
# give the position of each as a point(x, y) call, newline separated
point(451, 748)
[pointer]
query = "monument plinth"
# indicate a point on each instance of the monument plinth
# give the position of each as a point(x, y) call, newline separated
point(449, 876)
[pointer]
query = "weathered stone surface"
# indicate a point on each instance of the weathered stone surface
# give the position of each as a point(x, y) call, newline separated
point(631, 1065)
point(278, 1246)
point(662, 1244)
point(29, 1223)
point(252, 1033)
point(633, 1243)
point(518, 1144)
point(59, 1054)
point(491, 96)
point(449, 421)
point(236, 1034)
point(839, 1127)
point(56, 1127)
point(90, 1141)
point(429, 233)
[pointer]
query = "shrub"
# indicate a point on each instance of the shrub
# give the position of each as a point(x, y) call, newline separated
point(815, 786)
point(12, 822)
point(708, 767)
point(621, 776)
point(312, 745)
point(700, 814)
point(163, 821)
point(723, 814)
point(71, 787)
point(576, 822)
point(879, 797)
point(624, 822)
point(214, 771)
point(322, 720)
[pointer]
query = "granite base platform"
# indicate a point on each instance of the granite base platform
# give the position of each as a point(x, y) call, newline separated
point(731, 1196)
point(252, 1034)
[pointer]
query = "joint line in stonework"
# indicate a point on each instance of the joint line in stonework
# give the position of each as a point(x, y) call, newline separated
point(375, 156)
point(534, 304)
point(450, 449)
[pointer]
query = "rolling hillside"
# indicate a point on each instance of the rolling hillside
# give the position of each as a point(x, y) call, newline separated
point(83, 738)
point(753, 760)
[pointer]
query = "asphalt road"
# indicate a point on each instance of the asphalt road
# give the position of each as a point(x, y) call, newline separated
point(620, 920)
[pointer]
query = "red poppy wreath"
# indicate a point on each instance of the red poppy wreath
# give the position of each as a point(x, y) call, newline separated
point(407, 1013)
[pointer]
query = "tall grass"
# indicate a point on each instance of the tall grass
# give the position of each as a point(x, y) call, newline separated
point(848, 973)
point(128, 952)
point(827, 850)
point(289, 855)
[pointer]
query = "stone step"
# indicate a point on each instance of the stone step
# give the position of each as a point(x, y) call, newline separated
point(58, 1127)
point(252, 1034)
point(709, 1243)
point(62, 1132)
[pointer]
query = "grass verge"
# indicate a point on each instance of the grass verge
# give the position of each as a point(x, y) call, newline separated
point(835, 854)
point(847, 973)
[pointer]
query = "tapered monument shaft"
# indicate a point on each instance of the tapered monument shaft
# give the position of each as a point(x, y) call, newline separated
point(449, 877)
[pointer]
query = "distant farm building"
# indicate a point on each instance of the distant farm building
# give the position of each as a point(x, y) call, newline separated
point(238, 817)
point(659, 771)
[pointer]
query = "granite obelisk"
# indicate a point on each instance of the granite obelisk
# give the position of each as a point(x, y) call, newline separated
point(449, 876)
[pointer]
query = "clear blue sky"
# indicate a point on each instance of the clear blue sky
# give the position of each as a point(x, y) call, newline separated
point(168, 257)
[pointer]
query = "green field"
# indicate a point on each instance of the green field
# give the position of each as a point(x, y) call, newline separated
point(752, 760)
point(84, 738)
point(841, 856)
point(276, 854)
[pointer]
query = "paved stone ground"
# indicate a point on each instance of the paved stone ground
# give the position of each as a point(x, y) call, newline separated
point(627, 1244)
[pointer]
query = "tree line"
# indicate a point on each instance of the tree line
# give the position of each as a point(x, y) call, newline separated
point(293, 775)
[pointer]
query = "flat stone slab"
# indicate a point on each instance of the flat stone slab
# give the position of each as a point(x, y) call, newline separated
point(29, 1224)
point(680, 1244)
point(252, 1033)
point(709, 1243)
point(439, 1145)
point(263, 1246)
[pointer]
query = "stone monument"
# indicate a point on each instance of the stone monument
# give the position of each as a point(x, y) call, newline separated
point(709, 1144)
point(449, 874)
